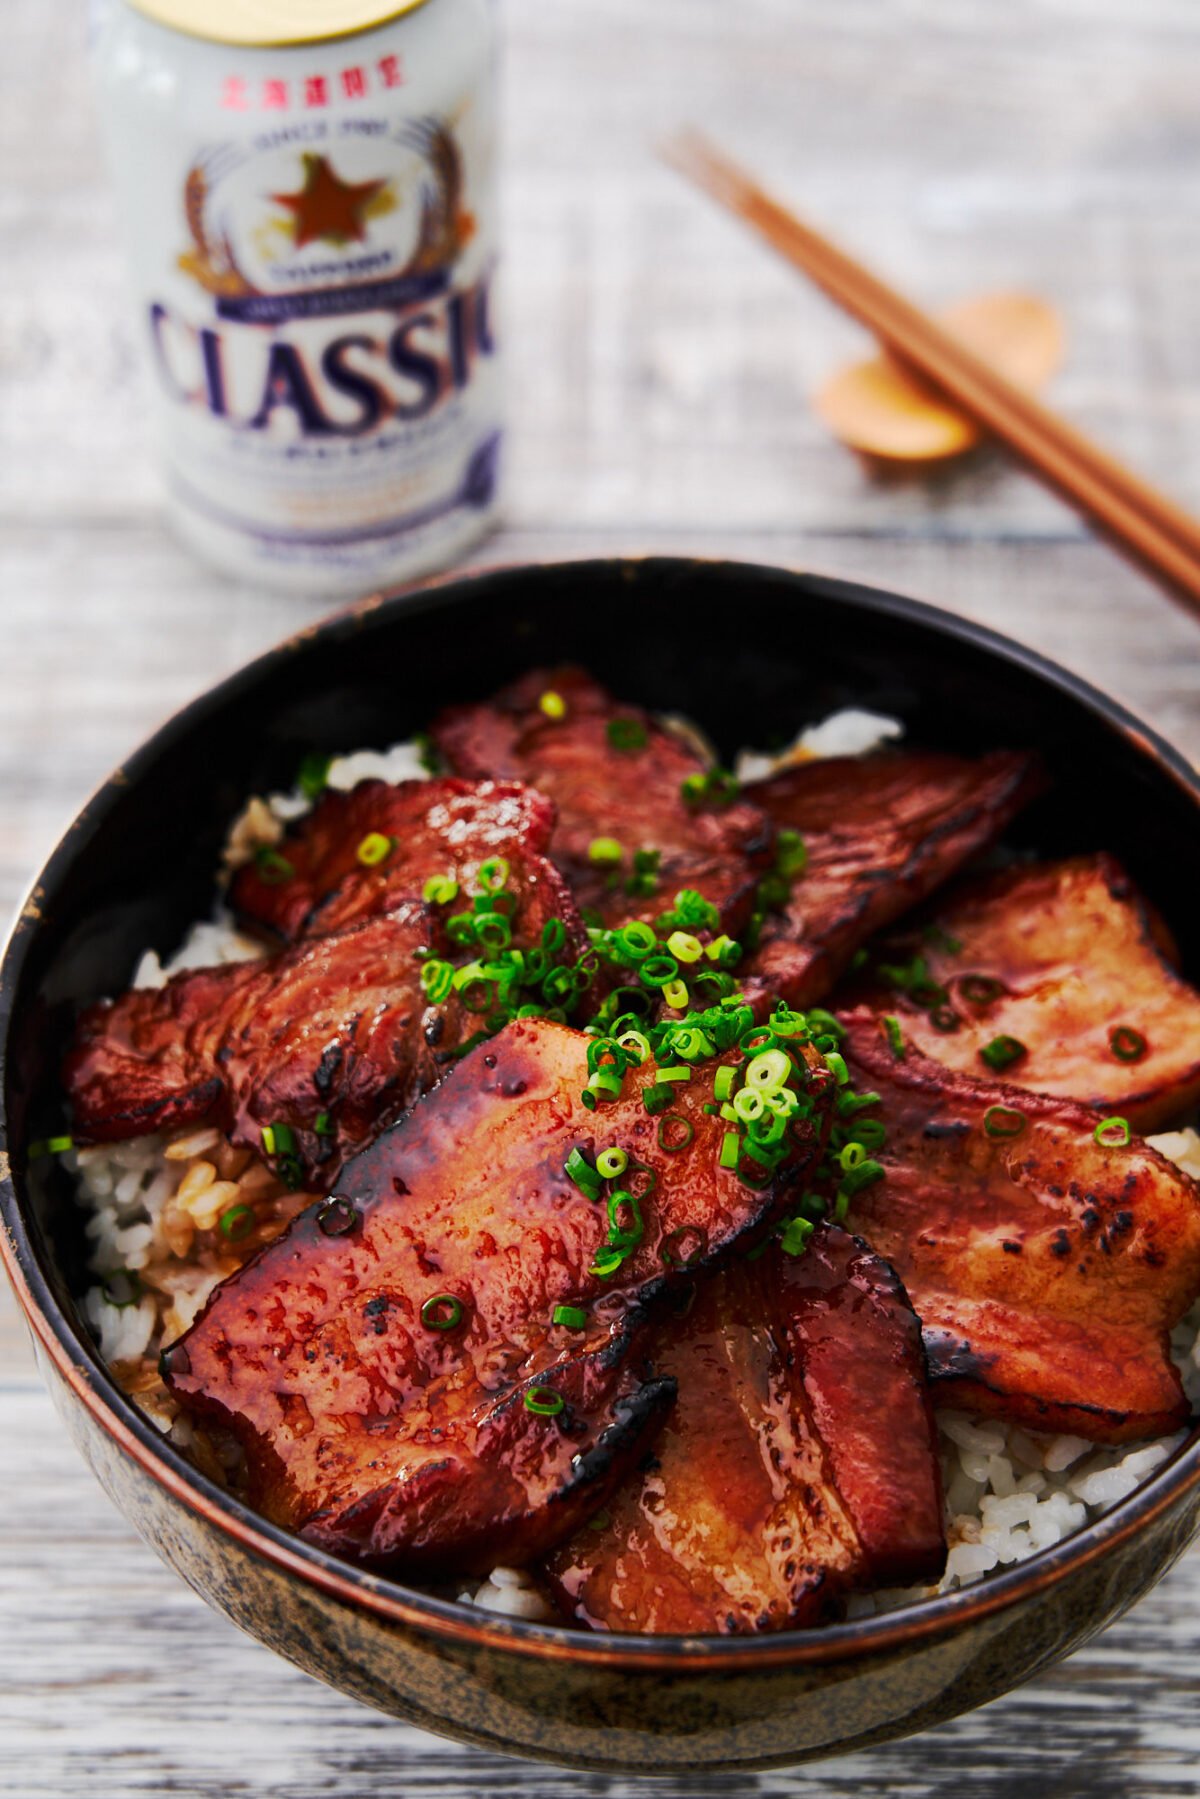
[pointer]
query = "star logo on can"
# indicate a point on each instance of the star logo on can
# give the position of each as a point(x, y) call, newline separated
point(327, 209)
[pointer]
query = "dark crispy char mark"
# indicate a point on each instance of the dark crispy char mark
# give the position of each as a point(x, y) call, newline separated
point(799, 1462)
point(1046, 1270)
point(1074, 956)
point(331, 1026)
point(443, 826)
point(599, 790)
point(882, 832)
point(398, 1444)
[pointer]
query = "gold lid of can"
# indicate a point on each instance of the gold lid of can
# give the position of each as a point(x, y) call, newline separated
point(272, 22)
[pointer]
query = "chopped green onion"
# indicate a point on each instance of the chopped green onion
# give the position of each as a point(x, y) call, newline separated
point(657, 1098)
point(321, 1124)
point(672, 1251)
point(731, 1145)
point(573, 1317)
point(1002, 1052)
point(636, 940)
point(492, 930)
point(1003, 1121)
point(545, 1401)
point(684, 947)
point(725, 951)
point(374, 849)
point(1113, 1133)
point(675, 1132)
point(123, 1287)
point(611, 1162)
point(723, 1083)
point(675, 994)
point(791, 854)
point(715, 788)
point(552, 704)
point(493, 874)
point(769, 1070)
point(605, 1081)
point(836, 1065)
point(748, 1104)
point(439, 890)
point(658, 971)
point(620, 1236)
point(848, 1103)
point(50, 1146)
point(636, 1044)
point(606, 1261)
point(554, 935)
point(860, 1176)
point(676, 1072)
point(606, 852)
point(312, 777)
point(870, 1132)
point(442, 1312)
point(437, 978)
point(626, 733)
point(273, 869)
point(980, 989)
point(579, 1170)
point(1126, 1044)
point(278, 1140)
point(825, 1022)
point(895, 1037)
point(795, 1235)
point(237, 1222)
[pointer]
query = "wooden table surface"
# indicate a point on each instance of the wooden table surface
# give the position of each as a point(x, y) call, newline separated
point(660, 363)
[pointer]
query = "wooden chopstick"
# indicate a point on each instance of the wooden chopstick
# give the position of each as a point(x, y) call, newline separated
point(1160, 535)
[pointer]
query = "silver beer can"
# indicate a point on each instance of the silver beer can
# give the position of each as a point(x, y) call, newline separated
point(307, 190)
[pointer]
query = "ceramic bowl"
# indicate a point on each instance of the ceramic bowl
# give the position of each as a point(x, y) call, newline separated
point(751, 653)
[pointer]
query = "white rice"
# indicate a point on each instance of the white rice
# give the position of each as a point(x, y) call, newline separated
point(1009, 1492)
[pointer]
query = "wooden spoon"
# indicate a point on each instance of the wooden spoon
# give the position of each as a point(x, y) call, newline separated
point(880, 408)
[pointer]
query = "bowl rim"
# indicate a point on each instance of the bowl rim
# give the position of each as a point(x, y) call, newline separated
point(78, 1364)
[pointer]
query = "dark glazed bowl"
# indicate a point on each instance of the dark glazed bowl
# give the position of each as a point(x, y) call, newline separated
point(751, 653)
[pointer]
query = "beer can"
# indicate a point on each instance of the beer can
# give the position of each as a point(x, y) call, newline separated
point(307, 189)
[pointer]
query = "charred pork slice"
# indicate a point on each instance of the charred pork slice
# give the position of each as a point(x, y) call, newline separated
point(366, 851)
point(799, 1462)
point(618, 779)
point(324, 1043)
point(426, 1371)
point(881, 832)
point(1059, 975)
point(1046, 1262)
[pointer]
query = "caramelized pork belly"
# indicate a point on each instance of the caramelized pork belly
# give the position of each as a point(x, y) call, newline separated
point(613, 773)
point(881, 832)
point(1065, 961)
point(1047, 1267)
point(392, 1366)
point(363, 852)
point(798, 1464)
point(330, 1039)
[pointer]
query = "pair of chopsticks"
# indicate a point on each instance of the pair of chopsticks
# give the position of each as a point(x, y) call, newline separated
point(1159, 535)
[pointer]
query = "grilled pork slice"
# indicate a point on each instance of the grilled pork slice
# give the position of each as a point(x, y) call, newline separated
point(330, 1039)
point(1046, 1264)
point(614, 774)
point(392, 1364)
point(881, 832)
point(1060, 974)
point(799, 1462)
point(366, 851)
